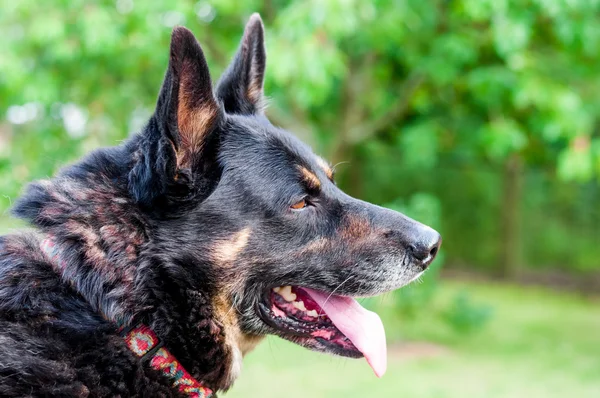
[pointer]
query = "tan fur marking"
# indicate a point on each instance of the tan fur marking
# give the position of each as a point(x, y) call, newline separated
point(195, 119)
point(256, 97)
point(254, 92)
point(238, 343)
point(193, 126)
point(316, 245)
point(326, 168)
point(355, 228)
point(310, 178)
point(225, 252)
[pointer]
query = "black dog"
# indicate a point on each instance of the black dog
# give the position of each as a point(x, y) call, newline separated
point(160, 262)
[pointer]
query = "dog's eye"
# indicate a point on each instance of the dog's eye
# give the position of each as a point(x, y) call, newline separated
point(301, 204)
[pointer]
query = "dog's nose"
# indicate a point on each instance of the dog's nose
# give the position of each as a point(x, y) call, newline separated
point(426, 247)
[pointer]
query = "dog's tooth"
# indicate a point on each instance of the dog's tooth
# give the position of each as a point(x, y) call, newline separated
point(277, 289)
point(299, 305)
point(312, 313)
point(286, 293)
point(286, 289)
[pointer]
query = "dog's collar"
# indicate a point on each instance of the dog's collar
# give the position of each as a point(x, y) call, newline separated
point(142, 341)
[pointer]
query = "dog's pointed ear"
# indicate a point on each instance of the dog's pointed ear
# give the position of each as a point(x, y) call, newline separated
point(191, 101)
point(241, 87)
point(174, 146)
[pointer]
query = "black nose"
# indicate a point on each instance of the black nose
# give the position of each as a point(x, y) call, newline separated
point(426, 247)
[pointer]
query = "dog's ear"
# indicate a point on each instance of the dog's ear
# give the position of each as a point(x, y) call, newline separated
point(176, 144)
point(241, 87)
point(187, 98)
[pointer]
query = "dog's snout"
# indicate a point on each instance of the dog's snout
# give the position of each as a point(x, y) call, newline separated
point(425, 247)
point(417, 242)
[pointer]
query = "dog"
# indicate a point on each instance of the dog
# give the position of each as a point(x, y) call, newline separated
point(156, 265)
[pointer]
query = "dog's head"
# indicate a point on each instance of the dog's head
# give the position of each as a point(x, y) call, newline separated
point(284, 246)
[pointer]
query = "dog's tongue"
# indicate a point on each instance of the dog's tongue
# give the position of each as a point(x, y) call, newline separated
point(362, 327)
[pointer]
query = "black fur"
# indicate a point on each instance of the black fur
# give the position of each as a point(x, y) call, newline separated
point(185, 227)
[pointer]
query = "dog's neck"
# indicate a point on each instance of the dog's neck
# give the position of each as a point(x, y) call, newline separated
point(104, 242)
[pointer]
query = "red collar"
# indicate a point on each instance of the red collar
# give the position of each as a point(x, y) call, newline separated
point(143, 342)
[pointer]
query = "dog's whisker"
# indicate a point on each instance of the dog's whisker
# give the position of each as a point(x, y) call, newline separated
point(334, 167)
point(333, 292)
point(230, 308)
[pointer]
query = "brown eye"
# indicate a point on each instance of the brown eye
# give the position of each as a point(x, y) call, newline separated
point(299, 205)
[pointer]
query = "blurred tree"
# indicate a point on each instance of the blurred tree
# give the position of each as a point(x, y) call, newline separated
point(395, 88)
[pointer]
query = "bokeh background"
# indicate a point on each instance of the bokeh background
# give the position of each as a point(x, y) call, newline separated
point(479, 117)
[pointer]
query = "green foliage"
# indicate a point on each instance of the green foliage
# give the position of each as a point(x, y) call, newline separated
point(409, 301)
point(419, 96)
point(461, 314)
point(465, 316)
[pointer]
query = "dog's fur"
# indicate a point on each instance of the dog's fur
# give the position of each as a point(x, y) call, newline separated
point(185, 227)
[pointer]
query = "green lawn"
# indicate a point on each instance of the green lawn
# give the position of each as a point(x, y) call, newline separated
point(539, 343)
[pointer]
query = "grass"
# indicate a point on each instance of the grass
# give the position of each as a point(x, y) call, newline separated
point(539, 343)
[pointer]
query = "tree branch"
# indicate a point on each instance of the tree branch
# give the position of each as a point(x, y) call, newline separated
point(269, 10)
point(295, 122)
point(350, 112)
point(395, 112)
point(219, 56)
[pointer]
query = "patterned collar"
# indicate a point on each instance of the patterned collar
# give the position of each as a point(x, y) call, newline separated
point(143, 342)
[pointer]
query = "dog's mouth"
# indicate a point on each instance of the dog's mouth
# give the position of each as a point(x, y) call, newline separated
point(326, 322)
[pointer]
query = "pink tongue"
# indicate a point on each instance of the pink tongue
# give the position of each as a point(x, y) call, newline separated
point(362, 327)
